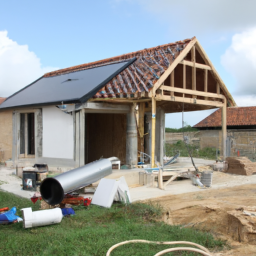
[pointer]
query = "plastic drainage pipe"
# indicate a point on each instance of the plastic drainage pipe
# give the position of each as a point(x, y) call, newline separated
point(53, 189)
point(41, 218)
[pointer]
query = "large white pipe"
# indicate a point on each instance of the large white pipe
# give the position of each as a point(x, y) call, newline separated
point(41, 218)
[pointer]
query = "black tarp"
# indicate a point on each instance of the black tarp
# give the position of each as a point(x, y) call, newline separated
point(74, 87)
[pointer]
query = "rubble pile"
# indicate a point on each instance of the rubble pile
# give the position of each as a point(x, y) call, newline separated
point(240, 166)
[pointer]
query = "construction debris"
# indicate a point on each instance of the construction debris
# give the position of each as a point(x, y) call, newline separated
point(109, 190)
point(9, 216)
point(240, 166)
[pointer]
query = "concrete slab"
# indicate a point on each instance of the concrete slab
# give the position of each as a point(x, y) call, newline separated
point(11, 183)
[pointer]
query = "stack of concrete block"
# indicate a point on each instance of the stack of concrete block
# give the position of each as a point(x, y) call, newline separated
point(240, 166)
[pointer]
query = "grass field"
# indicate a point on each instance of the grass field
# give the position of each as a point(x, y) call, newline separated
point(93, 230)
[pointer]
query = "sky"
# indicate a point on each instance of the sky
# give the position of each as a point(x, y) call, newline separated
point(41, 36)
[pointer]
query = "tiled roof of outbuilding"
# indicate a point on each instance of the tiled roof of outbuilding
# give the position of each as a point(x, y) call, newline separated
point(138, 77)
point(2, 100)
point(236, 116)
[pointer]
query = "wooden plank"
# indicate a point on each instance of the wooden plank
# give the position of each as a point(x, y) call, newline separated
point(172, 82)
point(173, 65)
point(197, 65)
point(189, 100)
point(187, 91)
point(206, 82)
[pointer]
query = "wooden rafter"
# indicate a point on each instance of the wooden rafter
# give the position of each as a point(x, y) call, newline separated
point(173, 65)
point(203, 54)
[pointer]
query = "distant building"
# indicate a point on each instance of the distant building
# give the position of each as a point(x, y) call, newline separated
point(241, 131)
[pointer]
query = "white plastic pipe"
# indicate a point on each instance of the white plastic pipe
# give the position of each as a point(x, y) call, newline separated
point(41, 218)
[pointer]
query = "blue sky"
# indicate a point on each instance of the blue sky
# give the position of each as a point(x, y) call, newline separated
point(40, 36)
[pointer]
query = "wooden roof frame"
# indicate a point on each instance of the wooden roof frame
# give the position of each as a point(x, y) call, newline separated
point(193, 44)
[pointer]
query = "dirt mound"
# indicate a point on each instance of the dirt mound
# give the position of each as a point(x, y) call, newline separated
point(226, 213)
point(242, 224)
point(240, 165)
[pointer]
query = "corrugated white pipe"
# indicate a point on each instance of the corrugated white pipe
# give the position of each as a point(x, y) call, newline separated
point(41, 218)
point(202, 250)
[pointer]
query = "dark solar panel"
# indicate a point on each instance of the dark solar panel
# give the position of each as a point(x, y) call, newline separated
point(73, 87)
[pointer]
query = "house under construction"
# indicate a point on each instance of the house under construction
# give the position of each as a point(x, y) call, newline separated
point(113, 107)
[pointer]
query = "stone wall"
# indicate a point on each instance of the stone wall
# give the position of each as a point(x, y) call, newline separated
point(5, 135)
point(239, 142)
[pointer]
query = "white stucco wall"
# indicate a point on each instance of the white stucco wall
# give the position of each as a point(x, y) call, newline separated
point(57, 133)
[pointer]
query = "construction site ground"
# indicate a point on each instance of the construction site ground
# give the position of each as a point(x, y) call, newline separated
point(218, 209)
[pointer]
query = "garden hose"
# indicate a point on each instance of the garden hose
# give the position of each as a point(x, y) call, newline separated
point(200, 249)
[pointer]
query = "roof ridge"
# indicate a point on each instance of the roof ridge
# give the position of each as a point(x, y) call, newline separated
point(111, 60)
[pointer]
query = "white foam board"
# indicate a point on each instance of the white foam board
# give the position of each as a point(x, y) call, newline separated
point(105, 193)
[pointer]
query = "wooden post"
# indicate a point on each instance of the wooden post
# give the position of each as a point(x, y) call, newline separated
point(193, 59)
point(153, 132)
point(206, 82)
point(224, 128)
point(172, 82)
point(141, 125)
point(184, 78)
point(218, 88)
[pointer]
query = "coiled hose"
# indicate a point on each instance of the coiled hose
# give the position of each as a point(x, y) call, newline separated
point(200, 249)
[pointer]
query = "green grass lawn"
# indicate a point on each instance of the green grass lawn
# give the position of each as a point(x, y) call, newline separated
point(93, 230)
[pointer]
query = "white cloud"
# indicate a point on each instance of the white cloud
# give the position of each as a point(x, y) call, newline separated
point(245, 100)
point(240, 60)
point(201, 16)
point(18, 66)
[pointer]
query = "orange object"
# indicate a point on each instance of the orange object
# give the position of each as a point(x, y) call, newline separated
point(73, 200)
point(4, 209)
point(238, 153)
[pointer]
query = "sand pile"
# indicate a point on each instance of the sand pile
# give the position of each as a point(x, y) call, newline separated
point(240, 166)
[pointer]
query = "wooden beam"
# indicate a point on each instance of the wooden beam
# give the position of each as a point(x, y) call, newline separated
point(172, 82)
point(197, 65)
point(173, 65)
point(184, 78)
point(187, 91)
point(190, 101)
point(206, 82)
point(193, 59)
point(224, 128)
point(218, 88)
point(153, 132)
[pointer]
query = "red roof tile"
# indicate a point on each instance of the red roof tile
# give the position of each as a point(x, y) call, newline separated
point(138, 77)
point(236, 116)
point(2, 100)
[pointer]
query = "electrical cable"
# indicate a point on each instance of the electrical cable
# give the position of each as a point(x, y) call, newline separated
point(200, 249)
